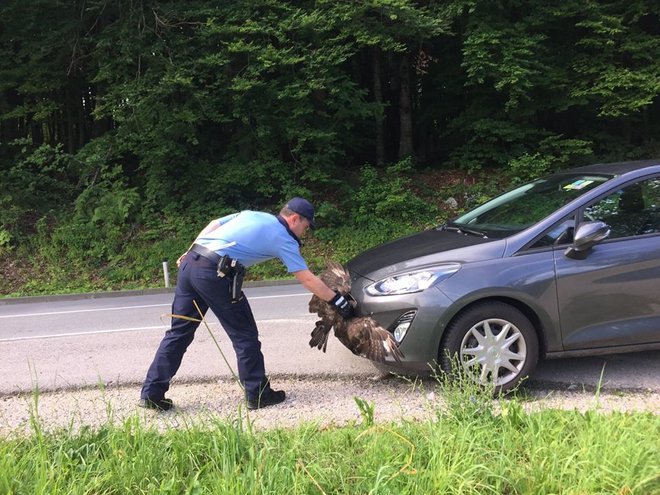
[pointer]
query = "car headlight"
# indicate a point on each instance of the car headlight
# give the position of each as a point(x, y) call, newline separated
point(417, 281)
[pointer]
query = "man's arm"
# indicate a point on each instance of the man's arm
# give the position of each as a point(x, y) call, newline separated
point(314, 284)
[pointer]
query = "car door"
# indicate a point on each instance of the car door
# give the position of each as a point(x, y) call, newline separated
point(612, 297)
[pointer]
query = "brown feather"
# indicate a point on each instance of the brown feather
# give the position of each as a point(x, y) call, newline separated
point(316, 304)
point(362, 335)
point(320, 336)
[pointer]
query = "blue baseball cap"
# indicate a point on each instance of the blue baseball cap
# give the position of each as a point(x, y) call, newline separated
point(303, 208)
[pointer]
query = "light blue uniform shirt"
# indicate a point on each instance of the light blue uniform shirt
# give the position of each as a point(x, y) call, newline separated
point(258, 236)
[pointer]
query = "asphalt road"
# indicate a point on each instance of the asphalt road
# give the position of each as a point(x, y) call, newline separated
point(70, 343)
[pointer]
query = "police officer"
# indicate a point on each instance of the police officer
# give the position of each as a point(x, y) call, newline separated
point(210, 273)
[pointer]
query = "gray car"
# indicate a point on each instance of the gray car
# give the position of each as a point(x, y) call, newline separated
point(566, 265)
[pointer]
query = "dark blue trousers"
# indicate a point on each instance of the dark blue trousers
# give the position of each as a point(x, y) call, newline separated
point(198, 281)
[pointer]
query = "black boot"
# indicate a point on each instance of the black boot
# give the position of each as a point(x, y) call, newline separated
point(269, 397)
point(157, 404)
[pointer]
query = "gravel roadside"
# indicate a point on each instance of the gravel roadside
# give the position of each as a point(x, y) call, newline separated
point(322, 400)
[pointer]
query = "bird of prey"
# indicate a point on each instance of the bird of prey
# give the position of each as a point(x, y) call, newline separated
point(361, 334)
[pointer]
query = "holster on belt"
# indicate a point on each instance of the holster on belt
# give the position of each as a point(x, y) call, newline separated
point(227, 267)
point(237, 283)
point(234, 271)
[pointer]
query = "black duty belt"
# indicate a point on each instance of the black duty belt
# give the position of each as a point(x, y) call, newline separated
point(227, 267)
point(207, 253)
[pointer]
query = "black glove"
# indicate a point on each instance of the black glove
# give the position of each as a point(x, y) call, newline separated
point(343, 307)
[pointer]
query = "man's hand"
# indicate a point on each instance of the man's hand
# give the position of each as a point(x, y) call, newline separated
point(178, 262)
point(343, 307)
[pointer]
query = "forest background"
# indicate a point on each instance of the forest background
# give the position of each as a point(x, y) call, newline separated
point(126, 125)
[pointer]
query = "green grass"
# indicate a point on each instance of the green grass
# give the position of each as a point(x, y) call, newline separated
point(468, 446)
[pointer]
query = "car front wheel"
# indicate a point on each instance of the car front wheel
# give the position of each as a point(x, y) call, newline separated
point(494, 343)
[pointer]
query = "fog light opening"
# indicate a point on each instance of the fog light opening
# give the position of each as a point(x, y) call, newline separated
point(400, 331)
point(402, 325)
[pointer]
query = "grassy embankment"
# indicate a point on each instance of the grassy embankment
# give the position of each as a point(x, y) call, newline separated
point(469, 445)
point(58, 255)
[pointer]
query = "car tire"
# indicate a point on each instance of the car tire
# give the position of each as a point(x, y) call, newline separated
point(474, 339)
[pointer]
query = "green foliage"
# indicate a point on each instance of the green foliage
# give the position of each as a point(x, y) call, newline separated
point(544, 70)
point(104, 214)
point(39, 179)
point(367, 410)
point(125, 115)
point(248, 108)
point(554, 154)
point(383, 196)
point(5, 242)
point(618, 66)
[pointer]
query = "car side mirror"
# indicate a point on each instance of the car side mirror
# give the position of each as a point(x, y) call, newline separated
point(587, 235)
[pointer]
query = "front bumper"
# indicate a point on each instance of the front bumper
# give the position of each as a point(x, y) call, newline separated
point(421, 343)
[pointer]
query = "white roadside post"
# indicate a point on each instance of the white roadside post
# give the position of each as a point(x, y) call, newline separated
point(166, 273)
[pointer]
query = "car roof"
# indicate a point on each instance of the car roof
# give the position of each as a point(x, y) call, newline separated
point(614, 169)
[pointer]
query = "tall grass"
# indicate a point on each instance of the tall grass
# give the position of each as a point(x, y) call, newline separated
point(470, 445)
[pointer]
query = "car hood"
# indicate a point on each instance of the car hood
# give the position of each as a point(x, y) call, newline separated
point(423, 249)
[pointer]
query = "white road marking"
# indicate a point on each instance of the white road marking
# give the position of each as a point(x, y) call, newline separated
point(121, 308)
point(25, 315)
point(134, 329)
point(74, 334)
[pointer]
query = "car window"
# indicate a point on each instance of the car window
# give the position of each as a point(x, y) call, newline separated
point(526, 205)
point(631, 211)
point(559, 234)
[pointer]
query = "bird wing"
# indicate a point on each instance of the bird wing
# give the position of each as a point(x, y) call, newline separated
point(317, 305)
point(320, 335)
point(336, 277)
point(364, 337)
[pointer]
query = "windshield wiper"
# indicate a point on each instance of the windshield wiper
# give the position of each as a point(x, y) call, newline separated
point(463, 230)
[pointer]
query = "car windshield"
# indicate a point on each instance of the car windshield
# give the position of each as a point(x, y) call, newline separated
point(526, 205)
